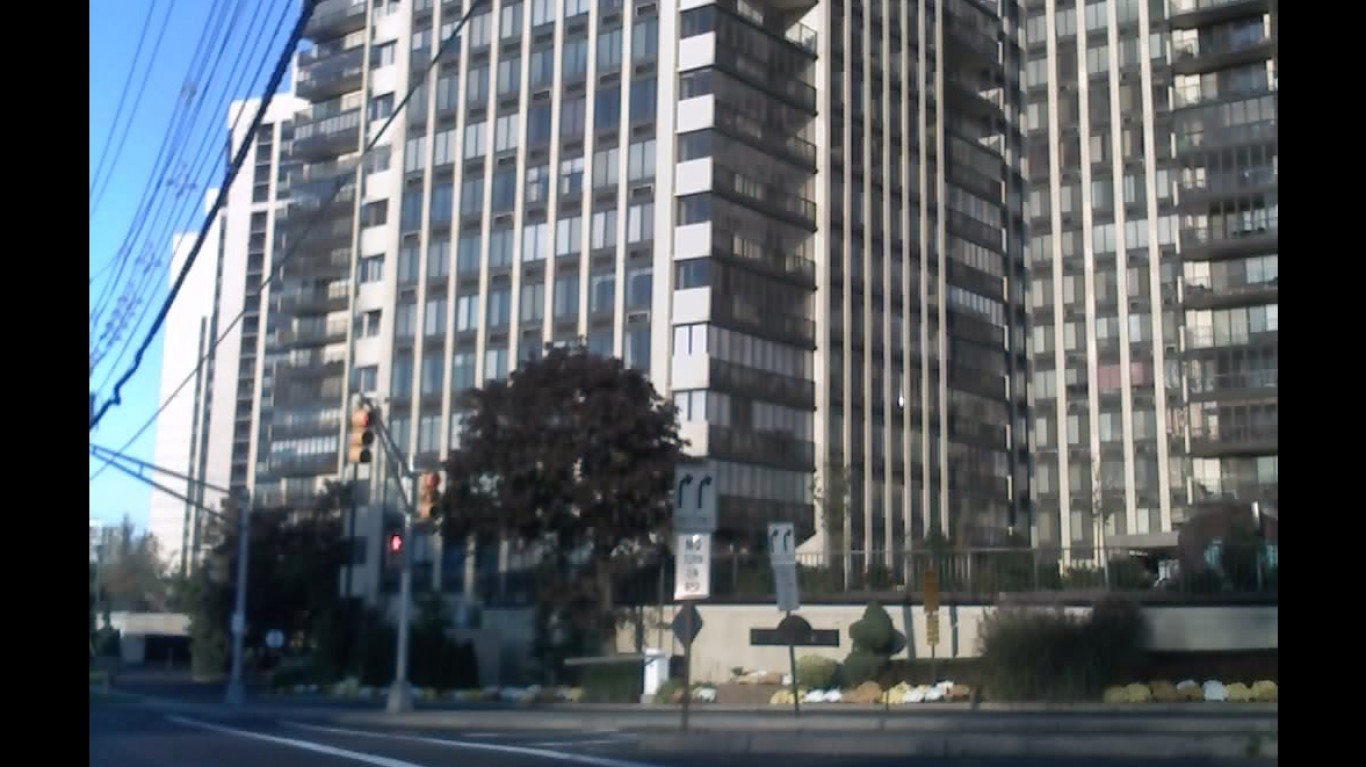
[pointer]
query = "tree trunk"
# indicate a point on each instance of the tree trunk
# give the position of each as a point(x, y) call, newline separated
point(606, 608)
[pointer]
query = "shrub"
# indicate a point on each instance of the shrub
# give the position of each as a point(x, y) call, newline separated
point(1032, 654)
point(817, 673)
point(613, 683)
point(296, 671)
point(667, 690)
point(875, 641)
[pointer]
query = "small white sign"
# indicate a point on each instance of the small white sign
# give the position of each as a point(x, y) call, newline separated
point(275, 639)
point(785, 581)
point(694, 498)
point(692, 566)
point(782, 544)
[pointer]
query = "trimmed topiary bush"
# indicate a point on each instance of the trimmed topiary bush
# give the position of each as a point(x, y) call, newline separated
point(876, 640)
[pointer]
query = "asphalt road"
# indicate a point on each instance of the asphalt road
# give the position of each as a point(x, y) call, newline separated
point(133, 736)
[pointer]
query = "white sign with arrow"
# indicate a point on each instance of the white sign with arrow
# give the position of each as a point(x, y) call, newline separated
point(782, 553)
point(694, 498)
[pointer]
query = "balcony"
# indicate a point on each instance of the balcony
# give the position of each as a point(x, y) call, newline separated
point(772, 448)
point(326, 137)
point(1205, 244)
point(774, 262)
point(768, 138)
point(327, 73)
point(970, 31)
point(761, 384)
point(979, 99)
point(1244, 440)
point(307, 230)
point(1200, 294)
point(1217, 136)
point(1190, 14)
point(768, 198)
point(1220, 52)
point(1199, 192)
point(785, 328)
point(315, 335)
point(334, 298)
point(334, 18)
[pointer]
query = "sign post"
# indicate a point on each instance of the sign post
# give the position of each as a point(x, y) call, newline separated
point(782, 555)
point(686, 626)
point(929, 590)
point(694, 520)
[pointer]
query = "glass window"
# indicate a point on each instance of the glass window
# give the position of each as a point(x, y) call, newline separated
point(532, 306)
point(535, 242)
point(567, 296)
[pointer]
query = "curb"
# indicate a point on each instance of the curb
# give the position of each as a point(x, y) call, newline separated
point(981, 745)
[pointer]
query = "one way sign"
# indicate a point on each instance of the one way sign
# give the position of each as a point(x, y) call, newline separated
point(694, 499)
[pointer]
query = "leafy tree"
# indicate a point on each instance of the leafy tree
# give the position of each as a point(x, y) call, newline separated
point(131, 573)
point(831, 494)
point(575, 454)
point(296, 556)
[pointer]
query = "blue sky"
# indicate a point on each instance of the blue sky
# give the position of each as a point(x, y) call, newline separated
point(115, 26)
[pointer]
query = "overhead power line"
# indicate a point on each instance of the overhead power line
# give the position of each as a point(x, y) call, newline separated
point(278, 268)
point(165, 183)
point(210, 142)
point(276, 77)
point(97, 186)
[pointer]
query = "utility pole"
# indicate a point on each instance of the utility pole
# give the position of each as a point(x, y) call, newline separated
point(236, 693)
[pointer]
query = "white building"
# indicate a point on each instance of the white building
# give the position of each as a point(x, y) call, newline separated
point(208, 430)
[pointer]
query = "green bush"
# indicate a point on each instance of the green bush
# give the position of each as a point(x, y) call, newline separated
point(1048, 655)
point(613, 683)
point(817, 673)
point(817, 580)
point(666, 691)
point(875, 641)
point(296, 671)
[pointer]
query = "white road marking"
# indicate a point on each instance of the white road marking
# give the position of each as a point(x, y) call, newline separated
point(571, 743)
point(539, 753)
point(303, 745)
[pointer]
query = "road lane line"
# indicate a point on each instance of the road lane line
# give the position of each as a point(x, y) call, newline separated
point(303, 745)
point(572, 743)
point(539, 753)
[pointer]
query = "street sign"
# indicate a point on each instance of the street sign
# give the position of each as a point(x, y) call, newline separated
point(782, 544)
point(687, 624)
point(692, 566)
point(785, 581)
point(932, 628)
point(929, 590)
point(275, 639)
point(694, 498)
point(795, 631)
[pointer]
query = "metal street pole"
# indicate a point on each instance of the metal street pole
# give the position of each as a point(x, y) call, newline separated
point(400, 696)
point(236, 693)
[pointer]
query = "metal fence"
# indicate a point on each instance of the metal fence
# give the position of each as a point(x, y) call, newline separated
point(972, 574)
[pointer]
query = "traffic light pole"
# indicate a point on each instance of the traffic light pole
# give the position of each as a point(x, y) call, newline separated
point(400, 694)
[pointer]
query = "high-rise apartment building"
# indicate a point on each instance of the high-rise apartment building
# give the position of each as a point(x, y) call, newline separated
point(803, 219)
point(211, 425)
point(1152, 204)
point(1224, 60)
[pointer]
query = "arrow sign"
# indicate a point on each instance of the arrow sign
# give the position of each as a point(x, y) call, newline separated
point(694, 512)
point(782, 544)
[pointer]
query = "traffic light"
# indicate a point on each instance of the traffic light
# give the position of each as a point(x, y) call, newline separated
point(362, 435)
point(396, 543)
point(428, 494)
point(393, 551)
